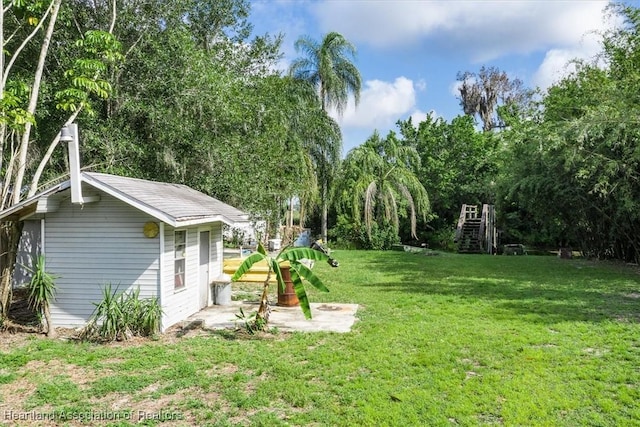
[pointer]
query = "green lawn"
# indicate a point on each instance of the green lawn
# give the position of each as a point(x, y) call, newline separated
point(441, 340)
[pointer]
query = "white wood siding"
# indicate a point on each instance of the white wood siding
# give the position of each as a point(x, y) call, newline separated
point(90, 246)
point(216, 267)
point(181, 303)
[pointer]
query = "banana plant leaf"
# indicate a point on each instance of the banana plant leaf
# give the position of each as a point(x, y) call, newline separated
point(301, 293)
point(246, 265)
point(296, 254)
point(275, 267)
point(310, 277)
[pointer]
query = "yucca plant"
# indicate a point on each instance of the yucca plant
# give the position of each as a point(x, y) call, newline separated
point(297, 269)
point(121, 315)
point(150, 315)
point(42, 289)
point(130, 308)
point(107, 320)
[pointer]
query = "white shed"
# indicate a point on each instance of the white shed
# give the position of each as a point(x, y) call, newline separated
point(97, 229)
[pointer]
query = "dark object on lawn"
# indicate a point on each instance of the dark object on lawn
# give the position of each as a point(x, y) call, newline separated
point(565, 253)
point(514, 249)
point(317, 245)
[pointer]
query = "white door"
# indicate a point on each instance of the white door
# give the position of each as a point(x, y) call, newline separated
point(203, 272)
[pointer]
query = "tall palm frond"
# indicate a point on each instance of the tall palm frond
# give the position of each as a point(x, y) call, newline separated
point(328, 66)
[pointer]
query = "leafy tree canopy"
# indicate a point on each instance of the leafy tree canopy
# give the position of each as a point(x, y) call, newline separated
point(573, 170)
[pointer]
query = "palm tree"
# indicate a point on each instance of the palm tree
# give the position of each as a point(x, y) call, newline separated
point(327, 66)
point(320, 139)
point(323, 143)
point(377, 178)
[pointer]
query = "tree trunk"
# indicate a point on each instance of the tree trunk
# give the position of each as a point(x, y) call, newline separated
point(324, 214)
point(262, 316)
point(10, 232)
point(33, 101)
point(290, 219)
point(51, 330)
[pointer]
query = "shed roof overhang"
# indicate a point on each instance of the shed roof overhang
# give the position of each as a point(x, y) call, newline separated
point(47, 201)
point(37, 204)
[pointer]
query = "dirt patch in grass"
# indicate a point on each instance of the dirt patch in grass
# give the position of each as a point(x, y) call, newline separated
point(148, 404)
point(170, 408)
point(16, 393)
point(55, 367)
point(11, 338)
point(15, 335)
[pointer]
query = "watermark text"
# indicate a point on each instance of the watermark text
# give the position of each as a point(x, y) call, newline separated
point(88, 416)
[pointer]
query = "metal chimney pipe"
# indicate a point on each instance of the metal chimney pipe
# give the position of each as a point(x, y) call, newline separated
point(65, 134)
point(69, 134)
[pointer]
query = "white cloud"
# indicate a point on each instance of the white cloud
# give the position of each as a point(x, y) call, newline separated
point(381, 104)
point(454, 88)
point(559, 63)
point(555, 66)
point(419, 116)
point(481, 30)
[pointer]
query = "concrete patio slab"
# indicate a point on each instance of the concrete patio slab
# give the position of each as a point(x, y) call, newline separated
point(327, 317)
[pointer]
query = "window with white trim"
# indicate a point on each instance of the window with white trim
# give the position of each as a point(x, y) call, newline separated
point(180, 251)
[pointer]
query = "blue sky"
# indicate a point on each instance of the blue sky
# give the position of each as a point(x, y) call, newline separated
point(410, 51)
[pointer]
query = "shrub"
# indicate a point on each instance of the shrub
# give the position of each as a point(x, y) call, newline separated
point(233, 236)
point(442, 238)
point(121, 315)
point(349, 235)
point(42, 289)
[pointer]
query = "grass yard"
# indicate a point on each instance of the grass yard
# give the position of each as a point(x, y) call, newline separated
point(441, 340)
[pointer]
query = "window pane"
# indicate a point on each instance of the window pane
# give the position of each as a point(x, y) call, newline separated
point(179, 274)
point(180, 246)
point(180, 237)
